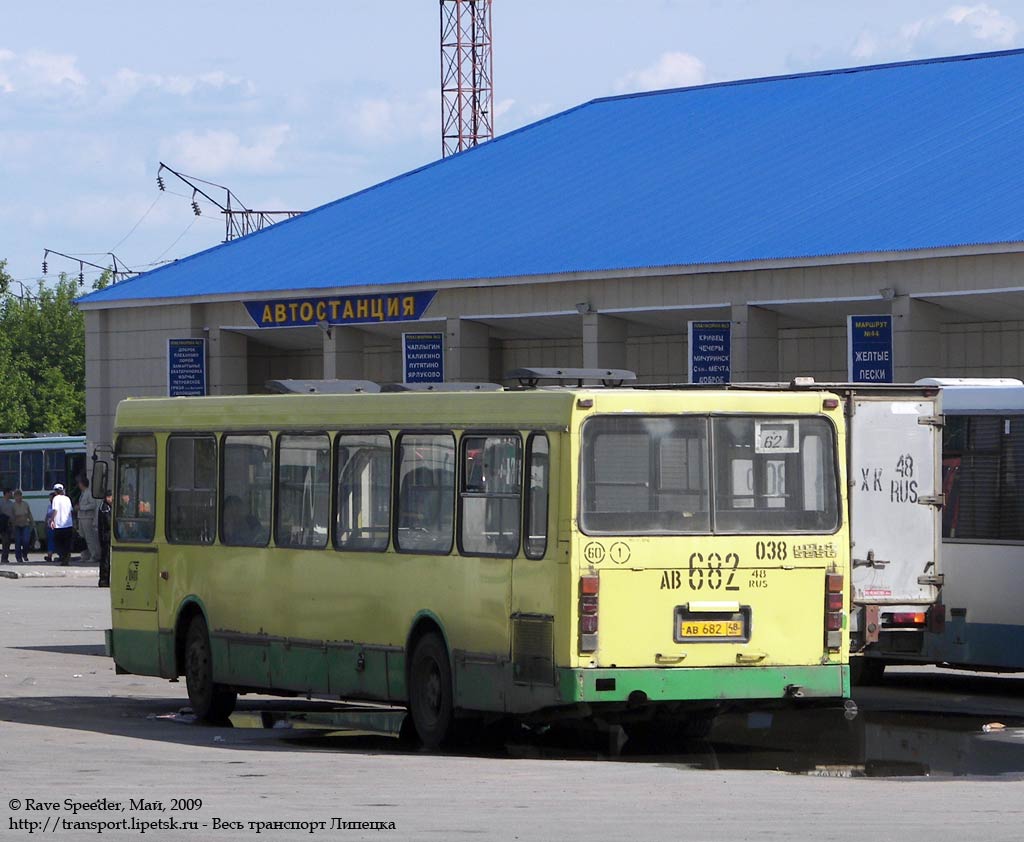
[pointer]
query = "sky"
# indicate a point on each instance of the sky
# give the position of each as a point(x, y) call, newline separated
point(292, 105)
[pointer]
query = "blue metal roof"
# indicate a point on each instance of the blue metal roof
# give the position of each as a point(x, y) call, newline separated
point(886, 158)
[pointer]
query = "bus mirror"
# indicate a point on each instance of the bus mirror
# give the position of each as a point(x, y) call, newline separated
point(98, 483)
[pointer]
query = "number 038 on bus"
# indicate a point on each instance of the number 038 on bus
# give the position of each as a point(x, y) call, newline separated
point(643, 556)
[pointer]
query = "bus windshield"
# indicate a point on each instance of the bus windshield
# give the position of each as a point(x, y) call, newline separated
point(657, 475)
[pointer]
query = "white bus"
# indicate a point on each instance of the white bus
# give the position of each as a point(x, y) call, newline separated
point(982, 525)
point(35, 463)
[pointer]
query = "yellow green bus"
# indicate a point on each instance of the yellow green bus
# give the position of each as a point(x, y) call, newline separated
point(640, 557)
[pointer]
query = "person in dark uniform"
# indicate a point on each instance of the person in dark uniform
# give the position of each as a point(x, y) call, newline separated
point(103, 528)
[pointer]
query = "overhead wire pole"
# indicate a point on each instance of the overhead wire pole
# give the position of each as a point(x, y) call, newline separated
point(118, 269)
point(467, 79)
point(238, 219)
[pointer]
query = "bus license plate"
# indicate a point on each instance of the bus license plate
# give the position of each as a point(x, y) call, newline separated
point(711, 628)
point(715, 627)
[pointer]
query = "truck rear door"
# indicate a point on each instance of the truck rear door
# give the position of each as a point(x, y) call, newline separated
point(895, 452)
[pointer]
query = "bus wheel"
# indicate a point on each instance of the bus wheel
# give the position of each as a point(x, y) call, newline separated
point(210, 702)
point(430, 691)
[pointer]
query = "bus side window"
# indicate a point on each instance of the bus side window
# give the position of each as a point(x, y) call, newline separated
point(32, 470)
point(426, 506)
point(538, 472)
point(136, 488)
point(303, 490)
point(363, 517)
point(10, 469)
point(191, 489)
point(491, 492)
point(53, 471)
point(246, 490)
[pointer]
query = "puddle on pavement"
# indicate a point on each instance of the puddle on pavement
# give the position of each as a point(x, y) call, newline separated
point(817, 742)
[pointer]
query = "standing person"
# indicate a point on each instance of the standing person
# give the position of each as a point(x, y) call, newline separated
point(63, 524)
point(22, 523)
point(87, 511)
point(49, 528)
point(103, 532)
point(6, 528)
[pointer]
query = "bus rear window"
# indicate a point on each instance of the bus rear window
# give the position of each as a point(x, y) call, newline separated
point(645, 475)
point(657, 475)
point(774, 475)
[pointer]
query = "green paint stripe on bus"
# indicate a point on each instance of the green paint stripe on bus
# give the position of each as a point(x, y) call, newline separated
point(695, 683)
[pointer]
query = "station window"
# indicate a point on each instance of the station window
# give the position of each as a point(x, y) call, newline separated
point(191, 489)
point(538, 480)
point(426, 486)
point(303, 490)
point(363, 518)
point(492, 470)
point(10, 469)
point(247, 491)
point(135, 497)
point(32, 470)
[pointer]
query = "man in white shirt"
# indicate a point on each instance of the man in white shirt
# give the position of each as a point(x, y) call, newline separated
point(62, 523)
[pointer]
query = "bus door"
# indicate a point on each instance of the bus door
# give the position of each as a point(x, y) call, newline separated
point(895, 520)
point(534, 573)
point(134, 558)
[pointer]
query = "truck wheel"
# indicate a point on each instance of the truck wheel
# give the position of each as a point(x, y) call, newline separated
point(210, 702)
point(431, 702)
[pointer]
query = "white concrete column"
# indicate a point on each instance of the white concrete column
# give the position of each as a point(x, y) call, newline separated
point(467, 356)
point(99, 415)
point(604, 341)
point(343, 354)
point(916, 339)
point(755, 344)
point(228, 360)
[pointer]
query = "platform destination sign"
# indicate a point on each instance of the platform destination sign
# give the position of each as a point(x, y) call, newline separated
point(186, 368)
point(340, 309)
point(869, 349)
point(422, 357)
point(710, 358)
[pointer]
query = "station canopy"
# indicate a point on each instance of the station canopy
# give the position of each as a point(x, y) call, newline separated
point(889, 158)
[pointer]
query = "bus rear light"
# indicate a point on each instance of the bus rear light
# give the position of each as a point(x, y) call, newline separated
point(587, 610)
point(907, 618)
point(835, 602)
point(833, 582)
point(833, 621)
point(830, 403)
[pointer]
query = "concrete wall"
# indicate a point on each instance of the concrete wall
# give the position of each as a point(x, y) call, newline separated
point(785, 322)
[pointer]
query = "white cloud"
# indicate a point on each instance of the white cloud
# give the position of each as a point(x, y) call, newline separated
point(985, 23)
point(671, 70)
point(957, 29)
point(392, 119)
point(126, 83)
point(53, 69)
point(212, 152)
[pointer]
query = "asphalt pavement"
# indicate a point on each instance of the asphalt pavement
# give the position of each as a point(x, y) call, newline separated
point(83, 749)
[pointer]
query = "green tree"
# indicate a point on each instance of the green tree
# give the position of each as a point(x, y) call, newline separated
point(42, 357)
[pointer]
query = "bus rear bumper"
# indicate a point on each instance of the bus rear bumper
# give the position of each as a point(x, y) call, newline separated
point(828, 681)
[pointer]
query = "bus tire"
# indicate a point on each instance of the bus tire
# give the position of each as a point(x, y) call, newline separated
point(431, 698)
point(210, 702)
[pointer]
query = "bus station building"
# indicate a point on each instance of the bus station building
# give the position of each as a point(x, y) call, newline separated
point(779, 207)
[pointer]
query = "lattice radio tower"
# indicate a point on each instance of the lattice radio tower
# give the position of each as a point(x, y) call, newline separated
point(467, 90)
